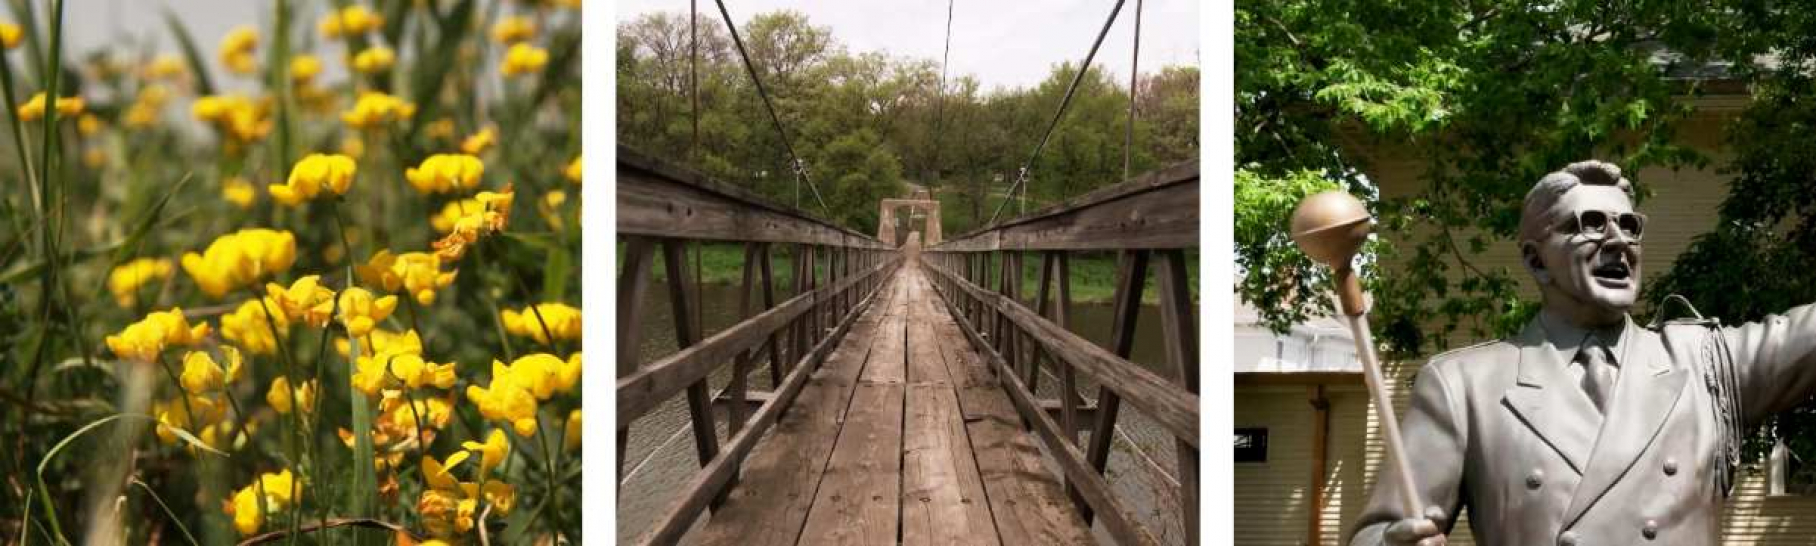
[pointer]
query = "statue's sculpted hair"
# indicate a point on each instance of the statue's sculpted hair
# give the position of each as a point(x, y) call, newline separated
point(1544, 194)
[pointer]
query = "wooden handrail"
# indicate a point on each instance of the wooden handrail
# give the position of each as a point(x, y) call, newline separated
point(836, 273)
point(1151, 218)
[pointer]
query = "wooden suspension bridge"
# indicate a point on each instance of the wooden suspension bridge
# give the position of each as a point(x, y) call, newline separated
point(903, 403)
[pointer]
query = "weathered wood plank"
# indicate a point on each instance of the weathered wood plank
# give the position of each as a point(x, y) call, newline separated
point(859, 501)
point(1171, 407)
point(714, 474)
point(1156, 210)
point(1026, 500)
point(1118, 520)
point(660, 199)
point(643, 389)
point(943, 499)
point(784, 470)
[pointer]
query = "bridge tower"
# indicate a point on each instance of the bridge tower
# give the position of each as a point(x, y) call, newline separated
point(928, 207)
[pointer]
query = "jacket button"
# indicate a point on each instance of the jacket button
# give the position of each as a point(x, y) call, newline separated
point(1535, 479)
point(1650, 531)
point(1670, 467)
point(1567, 539)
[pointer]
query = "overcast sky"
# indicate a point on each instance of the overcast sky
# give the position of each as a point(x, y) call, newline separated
point(1006, 43)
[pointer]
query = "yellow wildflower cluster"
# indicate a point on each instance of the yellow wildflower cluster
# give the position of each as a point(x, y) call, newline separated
point(201, 409)
point(542, 321)
point(238, 191)
point(33, 110)
point(272, 493)
point(147, 106)
point(471, 226)
point(124, 281)
point(305, 301)
point(11, 34)
point(513, 29)
point(315, 175)
point(443, 222)
point(376, 109)
point(571, 436)
point(285, 398)
point(479, 142)
point(239, 50)
point(417, 273)
point(515, 389)
point(573, 171)
point(236, 117)
point(360, 311)
point(164, 67)
point(145, 340)
point(443, 173)
point(304, 69)
point(350, 21)
point(374, 60)
point(248, 327)
point(397, 361)
point(239, 259)
point(523, 59)
point(450, 507)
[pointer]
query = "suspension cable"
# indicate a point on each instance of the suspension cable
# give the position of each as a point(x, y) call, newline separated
point(800, 167)
point(1128, 144)
point(1022, 178)
point(939, 111)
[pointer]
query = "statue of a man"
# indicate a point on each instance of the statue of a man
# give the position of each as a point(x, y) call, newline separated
point(1586, 428)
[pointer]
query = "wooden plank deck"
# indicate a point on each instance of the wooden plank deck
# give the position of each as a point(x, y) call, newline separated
point(901, 437)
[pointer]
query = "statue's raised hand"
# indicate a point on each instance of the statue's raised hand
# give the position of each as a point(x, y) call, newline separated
point(1423, 531)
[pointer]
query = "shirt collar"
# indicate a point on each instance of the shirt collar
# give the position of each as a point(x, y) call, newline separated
point(1567, 338)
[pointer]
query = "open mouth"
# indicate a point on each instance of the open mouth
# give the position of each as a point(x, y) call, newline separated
point(1613, 272)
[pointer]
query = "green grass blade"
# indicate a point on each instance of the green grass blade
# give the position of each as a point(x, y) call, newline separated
point(167, 511)
point(197, 64)
point(44, 490)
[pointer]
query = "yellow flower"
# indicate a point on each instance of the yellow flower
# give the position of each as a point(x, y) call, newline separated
point(33, 110)
point(477, 143)
point(350, 21)
point(561, 321)
point(314, 175)
point(571, 437)
point(573, 171)
point(360, 311)
point(550, 207)
point(399, 416)
point(374, 60)
point(174, 415)
point(202, 375)
point(444, 513)
point(11, 34)
point(144, 340)
point(442, 173)
point(148, 106)
point(239, 259)
point(375, 109)
point(491, 452)
point(277, 491)
point(513, 29)
point(238, 191)
point(380, 340)
point(305, 301)
point(417, 273)
point(506, 401)
point(234, 116)
point(238, 50)
point(304, 69)
point(248, 327)
point(452, 212)
point(524, 58)
point(126, 280)
point(283, 398)
point(88, 124)
point(468, 228)
point(166, 66)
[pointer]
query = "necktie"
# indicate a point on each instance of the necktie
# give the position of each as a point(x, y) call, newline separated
point(1598, 373)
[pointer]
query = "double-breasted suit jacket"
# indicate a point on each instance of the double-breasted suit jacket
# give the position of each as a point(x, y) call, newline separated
point(1503, 431)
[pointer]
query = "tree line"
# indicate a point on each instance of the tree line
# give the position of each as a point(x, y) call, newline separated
point(866, 125)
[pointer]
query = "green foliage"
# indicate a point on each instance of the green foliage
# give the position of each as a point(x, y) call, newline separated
point(1484, 98)
point(867, 123)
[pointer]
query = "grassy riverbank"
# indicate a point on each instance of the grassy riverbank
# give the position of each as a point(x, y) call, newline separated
point(1093, 275)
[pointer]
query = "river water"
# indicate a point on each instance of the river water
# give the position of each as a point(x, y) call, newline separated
point(659, 457)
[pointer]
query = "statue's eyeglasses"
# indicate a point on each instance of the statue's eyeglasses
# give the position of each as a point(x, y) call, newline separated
point(1594, 225)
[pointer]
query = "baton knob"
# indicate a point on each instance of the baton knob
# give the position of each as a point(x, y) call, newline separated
point(1330, 227)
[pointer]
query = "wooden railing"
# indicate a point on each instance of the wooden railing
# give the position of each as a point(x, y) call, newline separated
point(835, 274)
point(1150, 222)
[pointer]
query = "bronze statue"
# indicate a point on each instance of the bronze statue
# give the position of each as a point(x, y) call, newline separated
point(1587, 428)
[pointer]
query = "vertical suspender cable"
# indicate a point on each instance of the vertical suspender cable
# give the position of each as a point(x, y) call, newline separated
point(939, 110)
point(1128, 144)
point(800, 168)
point(1021, 179)
point(693, 71)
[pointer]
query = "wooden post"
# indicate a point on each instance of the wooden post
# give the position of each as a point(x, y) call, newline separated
point(1180, 337)
point(1132, 272)
point(699, 400)
point(632, 286)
